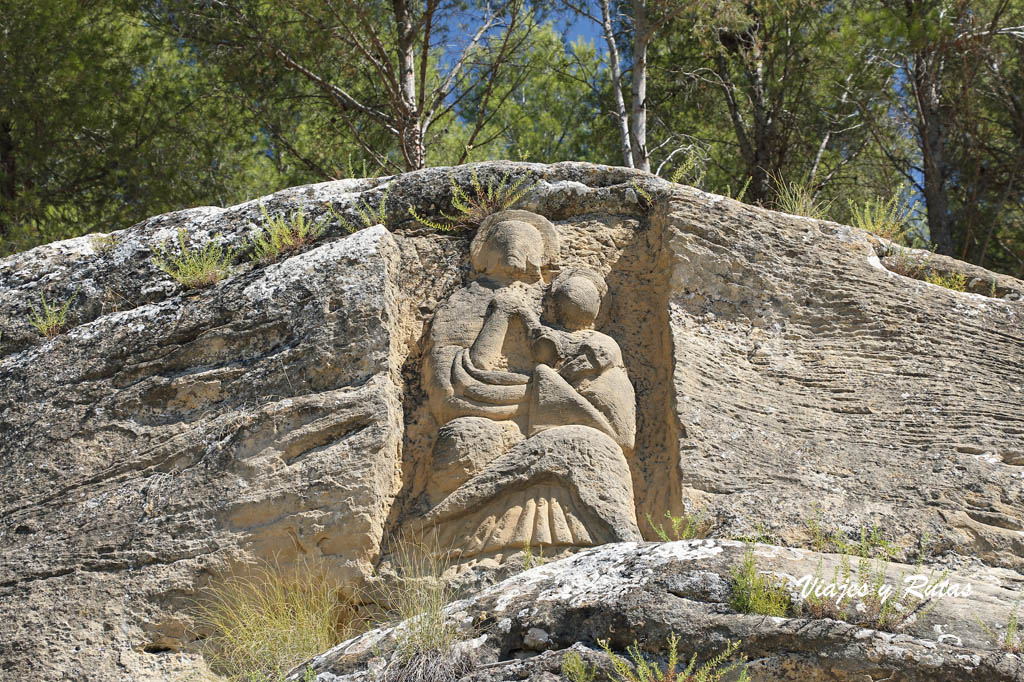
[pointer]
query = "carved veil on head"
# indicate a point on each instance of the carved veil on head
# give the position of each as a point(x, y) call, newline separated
point(514, 240)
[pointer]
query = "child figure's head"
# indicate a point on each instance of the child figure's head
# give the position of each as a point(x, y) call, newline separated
point(575, 297)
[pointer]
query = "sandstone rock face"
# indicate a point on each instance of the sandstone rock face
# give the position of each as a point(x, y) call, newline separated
point(764, 367)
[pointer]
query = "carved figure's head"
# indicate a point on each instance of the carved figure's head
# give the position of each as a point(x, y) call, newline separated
point(575, 298)
point(514, 245)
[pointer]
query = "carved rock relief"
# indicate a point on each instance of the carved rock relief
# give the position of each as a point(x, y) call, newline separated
point(536, 414)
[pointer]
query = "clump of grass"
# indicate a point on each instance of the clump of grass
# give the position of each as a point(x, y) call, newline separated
point(104, 244)
point(575, 670)
point(883, 218)
point(51, 319)
point(687, 526)
point(955, 281)
point(869, 542)
point(415, 598)
point(281, 235)
point(264, 621)
point(195, 268)
point(755, 592)
point(798, 198)
point(642, 670)
point(471, 207)
point(1012, 642)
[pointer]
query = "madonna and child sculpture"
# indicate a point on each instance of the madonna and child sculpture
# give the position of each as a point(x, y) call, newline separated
point(537, 417)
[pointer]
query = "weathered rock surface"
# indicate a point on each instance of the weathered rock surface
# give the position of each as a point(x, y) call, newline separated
point(521, 628)
point(781, 373)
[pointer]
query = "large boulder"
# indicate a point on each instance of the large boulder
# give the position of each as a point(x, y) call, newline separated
point(624, 594)
point(781, 373)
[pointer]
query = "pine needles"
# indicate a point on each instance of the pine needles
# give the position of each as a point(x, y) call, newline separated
point(198, 267)
point(471, 207)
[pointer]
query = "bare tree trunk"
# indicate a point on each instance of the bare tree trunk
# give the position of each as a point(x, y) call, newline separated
point(763, 165)
point(8, 175)
point(616, 69)
point(931, 128)
point(410, 117)
point(638, 89)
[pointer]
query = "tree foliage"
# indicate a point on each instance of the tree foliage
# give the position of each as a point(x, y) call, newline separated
point(105, 122)
point(119, 109)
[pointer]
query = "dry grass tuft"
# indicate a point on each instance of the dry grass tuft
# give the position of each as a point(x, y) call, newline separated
point(415, 598)
point(264, 621)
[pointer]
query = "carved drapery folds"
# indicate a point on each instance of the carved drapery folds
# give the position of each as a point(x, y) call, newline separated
point(536, 414)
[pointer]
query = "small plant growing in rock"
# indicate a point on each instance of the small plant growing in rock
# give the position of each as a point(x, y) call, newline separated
point(798, 198)
point(194, 268)
point(1013, 641)
point(51, 319)
point(890, 615)
point(264, 621)
point(692, 169)
point(885, 219)
point(575, 670)
point(531, 560)
point(904, 261)
point(755, 592)
point(104, 244)
point(645, 196)
point(687, 526)
point(955, 281)
point(281, 235)
point(743, 189)
point(470, 208)
point(642, 670)
point(372, 216)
